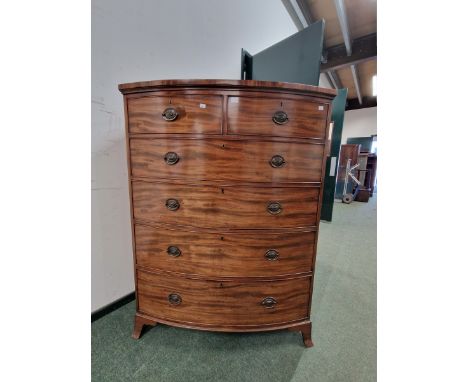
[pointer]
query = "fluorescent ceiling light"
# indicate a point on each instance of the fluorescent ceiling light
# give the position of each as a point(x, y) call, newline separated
point(374, 85)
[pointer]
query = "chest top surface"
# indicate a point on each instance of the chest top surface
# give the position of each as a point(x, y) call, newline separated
point(136, 87)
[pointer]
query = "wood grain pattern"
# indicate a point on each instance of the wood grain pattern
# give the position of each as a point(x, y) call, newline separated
point(216, 159)
point(198, 114)
point(141, 321)
point(223, 303)
point(296, 325)
point(222, 180)
point(224, 254)
point(253, 116)
point(146, 86)
point(228, 207)
point(306, 330)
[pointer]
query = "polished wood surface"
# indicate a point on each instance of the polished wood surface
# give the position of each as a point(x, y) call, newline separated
point(225, 202)
point(231, 254)
point(227, 207)
point(296, 325)
point(306, 330)
point(223, 303)
point(254, 116)
point(141, 321)
point(217, 159)
point(146, 86)
point(198, 114)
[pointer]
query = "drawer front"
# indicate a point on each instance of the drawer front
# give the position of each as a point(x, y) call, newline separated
point(294, 118)
point(196, 114)
point(215, 159)
point(225, 207)
point(224, 254)
point(223, 303)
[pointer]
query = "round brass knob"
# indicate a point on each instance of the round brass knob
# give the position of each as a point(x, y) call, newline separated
point(170, 114)
point(271, 254)
point(173, 251)
point(274, 208)
point(174, 299)
point(269, 302)
point(280, 118)
point(277, 161)
point(172, 204)
point(171, 158)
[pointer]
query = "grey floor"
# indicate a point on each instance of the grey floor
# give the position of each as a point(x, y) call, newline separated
point(343, 315)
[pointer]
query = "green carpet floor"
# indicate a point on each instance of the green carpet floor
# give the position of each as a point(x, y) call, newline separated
point(343, 316)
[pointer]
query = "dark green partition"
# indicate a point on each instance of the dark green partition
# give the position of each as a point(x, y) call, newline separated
point(331, 169)
point(294, 59)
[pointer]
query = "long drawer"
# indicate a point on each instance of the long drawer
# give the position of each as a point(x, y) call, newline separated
point(214, 159)
point(277, 117)
point(223, 303)
point(181, 114)
point(225, 207)
point(225, 254)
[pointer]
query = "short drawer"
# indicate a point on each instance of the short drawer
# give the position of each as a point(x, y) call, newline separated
point(277, 117)
point(225, 207)
point(224, 254)
point(183, 114)
point(223, 303)
point(214, 159)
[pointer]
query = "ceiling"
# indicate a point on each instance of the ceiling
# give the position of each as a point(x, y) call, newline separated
point(350, 43)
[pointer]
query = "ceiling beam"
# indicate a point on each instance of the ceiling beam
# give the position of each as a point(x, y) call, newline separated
point(299, 12)
point(353, 103)
point(306, 12)
point(327, 75)
point(355, 74)
point(343, 20)
point(335, 80)
point(363, 49)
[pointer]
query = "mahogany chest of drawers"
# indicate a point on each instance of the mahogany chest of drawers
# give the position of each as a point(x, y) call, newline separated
point(225, 184)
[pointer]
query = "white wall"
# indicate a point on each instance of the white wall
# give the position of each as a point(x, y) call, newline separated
point(359, 123)
point(323, 82)
point(148, 40)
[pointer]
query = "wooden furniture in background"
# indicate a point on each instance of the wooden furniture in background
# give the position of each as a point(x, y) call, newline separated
point(371, 172)
point(347, 152)
point(225, 184)
point(367, 174)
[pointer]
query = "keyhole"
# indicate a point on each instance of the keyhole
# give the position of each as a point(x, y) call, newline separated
point(281, 104)
point(222, 190)
point(222, 238)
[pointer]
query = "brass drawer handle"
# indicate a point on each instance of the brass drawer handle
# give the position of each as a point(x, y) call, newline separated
point(277, 161)
point(172, 204)
point(173, 251)
point(269, 302)
point(174, 299)
point(280, 118)
point(171, 158)
point(170, 114)
point(272, 255)
point(274, 208)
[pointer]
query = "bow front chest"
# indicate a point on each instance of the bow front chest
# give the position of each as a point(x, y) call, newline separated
point(225, 184)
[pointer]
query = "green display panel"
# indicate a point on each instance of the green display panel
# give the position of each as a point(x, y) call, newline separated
point(337, 117)
point(365, 142)
point(294, 59)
